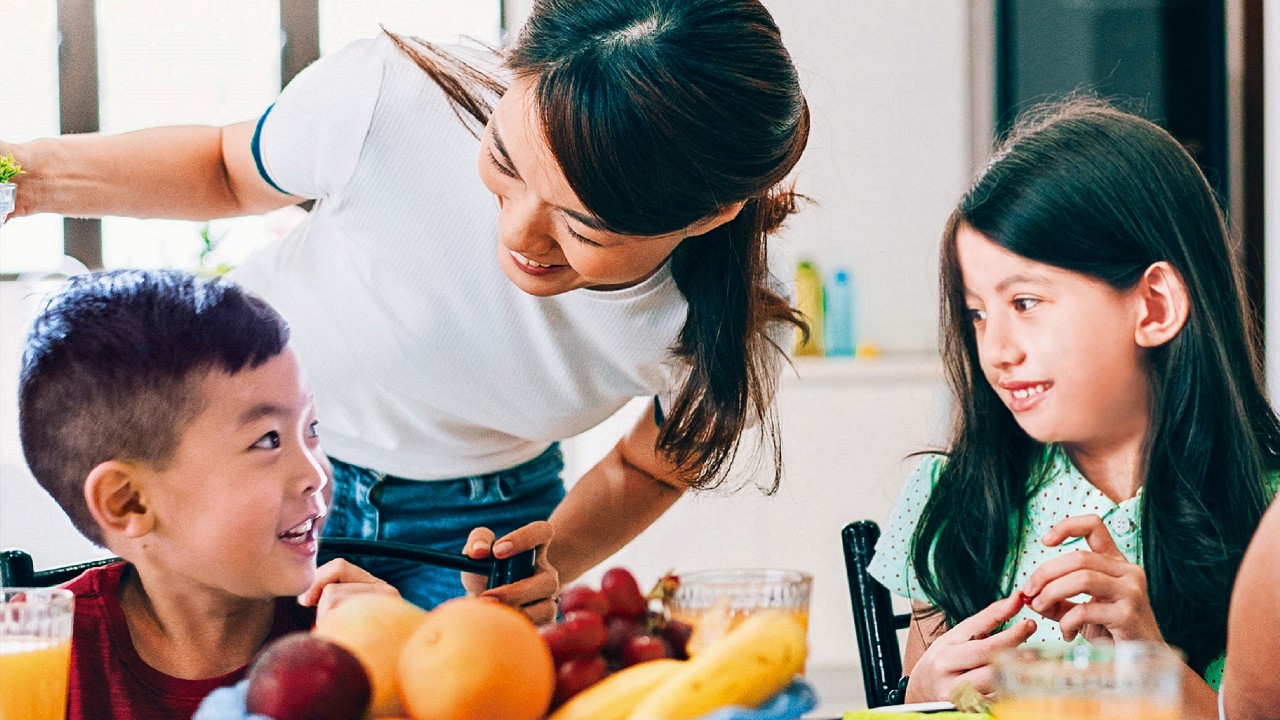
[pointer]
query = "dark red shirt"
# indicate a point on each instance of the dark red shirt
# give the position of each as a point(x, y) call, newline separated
point(108, 679)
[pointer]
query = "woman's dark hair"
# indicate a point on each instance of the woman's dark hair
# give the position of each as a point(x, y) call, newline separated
point(1084, 187)
point(662, 113)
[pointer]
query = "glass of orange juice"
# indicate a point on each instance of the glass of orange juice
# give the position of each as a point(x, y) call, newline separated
point(1089, 682)
point(35, 652)
point(713, 602)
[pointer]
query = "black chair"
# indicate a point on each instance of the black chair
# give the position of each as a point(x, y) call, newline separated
point(18, 570)
point(874, 623)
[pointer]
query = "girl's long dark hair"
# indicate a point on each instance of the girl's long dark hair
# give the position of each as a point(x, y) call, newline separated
point(1087, 188)
point(663, 113)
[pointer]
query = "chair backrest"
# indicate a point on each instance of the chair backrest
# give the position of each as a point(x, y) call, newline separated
point(874, 623)
point(17, 570)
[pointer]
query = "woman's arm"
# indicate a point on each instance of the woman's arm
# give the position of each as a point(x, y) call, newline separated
point(1251, 683)
point(614, 501)
point(181, 172)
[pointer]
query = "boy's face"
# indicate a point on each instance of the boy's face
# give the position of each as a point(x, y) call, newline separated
point(1058, 347)
point(238, 508)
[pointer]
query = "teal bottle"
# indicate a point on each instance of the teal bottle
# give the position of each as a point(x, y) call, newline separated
point(840, 327)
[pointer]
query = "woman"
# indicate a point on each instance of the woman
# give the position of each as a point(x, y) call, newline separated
point(636, 157)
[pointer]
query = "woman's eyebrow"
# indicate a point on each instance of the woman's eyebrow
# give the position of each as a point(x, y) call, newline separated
point(590, 221)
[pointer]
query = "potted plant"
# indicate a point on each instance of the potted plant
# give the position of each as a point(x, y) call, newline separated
point(9, 169)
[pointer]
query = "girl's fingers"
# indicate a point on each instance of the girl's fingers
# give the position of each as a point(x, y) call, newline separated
point(979, 653)
point(983, 679)
point(984, 622)
point(1098, 585)
point(1072, 562)
point(1089, 527)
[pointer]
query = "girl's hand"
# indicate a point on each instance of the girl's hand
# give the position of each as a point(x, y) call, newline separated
point(534, 596)
point(1120, 608)
point(964, 653)
point(337, 580)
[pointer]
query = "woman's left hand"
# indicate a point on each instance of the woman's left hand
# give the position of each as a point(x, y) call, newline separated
point(1120, 607)
point(337, 580)
point(534, 596)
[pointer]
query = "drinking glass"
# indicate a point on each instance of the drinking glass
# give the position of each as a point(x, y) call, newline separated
point(1089, 682)
point(714, 602)
point(35, 652)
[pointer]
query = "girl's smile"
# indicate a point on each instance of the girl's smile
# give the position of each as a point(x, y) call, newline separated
point(1023, 396)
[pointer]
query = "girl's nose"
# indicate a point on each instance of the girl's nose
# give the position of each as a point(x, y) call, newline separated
point(999, 346)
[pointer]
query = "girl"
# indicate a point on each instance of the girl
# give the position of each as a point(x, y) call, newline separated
point(1112, 435)
point(636, 150)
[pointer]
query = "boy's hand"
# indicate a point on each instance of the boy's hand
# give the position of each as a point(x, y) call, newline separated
point(337, 580)
point(535, 596)
point(965, 652)
point(1120, 607)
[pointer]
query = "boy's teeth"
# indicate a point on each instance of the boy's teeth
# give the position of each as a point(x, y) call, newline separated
point(1024, 393)
point(300, 529)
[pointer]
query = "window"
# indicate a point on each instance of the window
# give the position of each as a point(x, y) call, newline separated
point(132, 64)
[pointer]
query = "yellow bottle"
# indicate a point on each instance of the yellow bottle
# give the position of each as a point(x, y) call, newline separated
point(809, 303)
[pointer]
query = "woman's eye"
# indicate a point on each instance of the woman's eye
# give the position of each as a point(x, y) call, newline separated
point(502, 168)
point(580, 238)
point(976, 315)
point(1024, 304)
point(270, 441)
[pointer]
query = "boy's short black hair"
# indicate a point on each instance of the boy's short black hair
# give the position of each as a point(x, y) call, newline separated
point(111, 368)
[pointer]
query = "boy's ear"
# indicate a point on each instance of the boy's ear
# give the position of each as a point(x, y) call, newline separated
point(1164, 305)
point(115, 497)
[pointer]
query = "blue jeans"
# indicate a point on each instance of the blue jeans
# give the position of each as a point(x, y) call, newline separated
point(440, 514)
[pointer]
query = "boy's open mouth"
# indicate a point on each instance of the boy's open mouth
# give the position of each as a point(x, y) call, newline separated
point(302, 532)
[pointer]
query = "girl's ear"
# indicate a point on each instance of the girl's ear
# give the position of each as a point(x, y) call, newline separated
point(1164, 305)
point(114, 494)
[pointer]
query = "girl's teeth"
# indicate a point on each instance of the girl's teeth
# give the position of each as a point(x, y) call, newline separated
point(1024, 393)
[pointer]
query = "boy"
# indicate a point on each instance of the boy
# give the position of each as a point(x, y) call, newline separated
point(168, 417)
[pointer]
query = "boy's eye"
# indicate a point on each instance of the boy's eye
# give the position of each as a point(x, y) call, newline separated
point(313, 430)
point(1025, 304)
point(502, 168)
point(976, 315)
point(270, 441)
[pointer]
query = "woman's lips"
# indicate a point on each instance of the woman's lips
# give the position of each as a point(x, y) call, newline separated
point(532, 267)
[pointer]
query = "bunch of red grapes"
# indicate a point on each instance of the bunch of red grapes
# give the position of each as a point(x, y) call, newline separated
point(606, 630)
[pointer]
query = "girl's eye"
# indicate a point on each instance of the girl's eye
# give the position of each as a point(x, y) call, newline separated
point(502, 168)
point(1024, 304)
point(976, 315)
point(270, 441)
point(313, 430)
point(580, 238)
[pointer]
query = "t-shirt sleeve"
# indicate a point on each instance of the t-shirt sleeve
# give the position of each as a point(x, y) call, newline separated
point(308, 143)
point(891, 564)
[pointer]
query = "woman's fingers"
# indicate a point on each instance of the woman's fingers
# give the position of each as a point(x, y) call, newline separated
point(533, 535)
point(479, 543)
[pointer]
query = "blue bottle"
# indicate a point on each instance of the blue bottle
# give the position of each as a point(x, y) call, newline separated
point(840, 331)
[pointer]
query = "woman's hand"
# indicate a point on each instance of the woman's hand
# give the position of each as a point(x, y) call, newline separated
point(965, 652)
point(337, 580)
point(1120, 608)
point(534, 596)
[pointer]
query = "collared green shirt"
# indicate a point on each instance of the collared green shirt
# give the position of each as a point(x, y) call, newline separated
point(1064, 494)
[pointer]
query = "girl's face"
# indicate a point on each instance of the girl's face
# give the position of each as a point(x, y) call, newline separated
point(547, 241)
point(1058, 347)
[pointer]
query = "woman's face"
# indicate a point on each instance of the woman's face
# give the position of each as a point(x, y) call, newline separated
point(547, 241)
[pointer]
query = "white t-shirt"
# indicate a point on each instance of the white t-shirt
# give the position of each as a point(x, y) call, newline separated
point(426, 361)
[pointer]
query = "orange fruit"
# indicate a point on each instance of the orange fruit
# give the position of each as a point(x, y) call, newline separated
point(474, 659)
point(374, 628)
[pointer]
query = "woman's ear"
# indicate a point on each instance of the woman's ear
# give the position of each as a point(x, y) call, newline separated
point(1164, 305)
point(722, 216)
point(114, 493)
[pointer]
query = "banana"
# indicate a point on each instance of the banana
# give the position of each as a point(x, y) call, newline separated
point(748, 666)
point(614, 697)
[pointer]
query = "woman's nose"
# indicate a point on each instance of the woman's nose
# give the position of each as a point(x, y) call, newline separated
point(524, 225)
